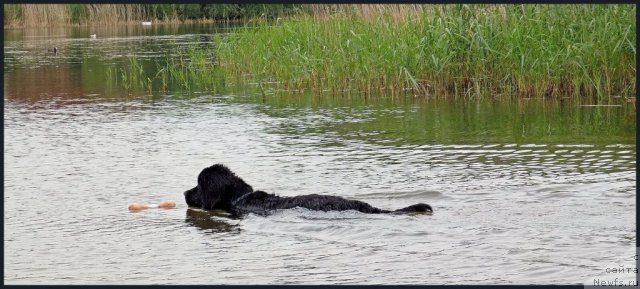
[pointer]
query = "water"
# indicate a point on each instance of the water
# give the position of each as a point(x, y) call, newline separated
point(524, 192)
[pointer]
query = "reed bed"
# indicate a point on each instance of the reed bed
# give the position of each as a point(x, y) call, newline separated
point(187, 71)
point(49, 15)
point(34, 13)
point(577, 51)
point(584, 52)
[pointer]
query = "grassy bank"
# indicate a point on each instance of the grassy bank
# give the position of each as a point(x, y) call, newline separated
point(584, 52)
point(49, 15)
point(574, 51)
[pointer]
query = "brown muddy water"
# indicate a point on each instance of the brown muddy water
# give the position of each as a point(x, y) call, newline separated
point(524, 192)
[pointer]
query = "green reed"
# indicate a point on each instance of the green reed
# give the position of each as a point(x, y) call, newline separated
point(584, 52)
point(189, 70)
point(578, 51)
point(131, 76)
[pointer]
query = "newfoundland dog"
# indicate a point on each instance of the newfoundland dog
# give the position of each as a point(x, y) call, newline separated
point(220, 189)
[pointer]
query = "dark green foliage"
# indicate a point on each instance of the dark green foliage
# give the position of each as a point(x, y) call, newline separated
point(82, 13)
point(218, 11)
point(160, 11)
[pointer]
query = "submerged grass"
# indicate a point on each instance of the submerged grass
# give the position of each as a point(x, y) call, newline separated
point(583, 52)
point(187, 71)
point(132, 77)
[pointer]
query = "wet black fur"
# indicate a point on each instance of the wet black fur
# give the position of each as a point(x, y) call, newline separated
point(220, 189)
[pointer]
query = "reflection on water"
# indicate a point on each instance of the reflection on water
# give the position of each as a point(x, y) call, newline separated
point(86, 67)
point(524, 192)
point(210, 222)
point(445, 121)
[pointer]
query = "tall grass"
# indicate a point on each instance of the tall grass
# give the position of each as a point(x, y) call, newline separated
point(583, 52)
point(43, 14)
point(459, 50)
point(189, 70)
point(132, 77)
point(47, 15)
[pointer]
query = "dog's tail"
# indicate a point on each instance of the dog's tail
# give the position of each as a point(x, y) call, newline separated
point(417, 208)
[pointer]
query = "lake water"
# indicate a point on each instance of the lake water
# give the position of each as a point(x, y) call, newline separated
point(524, 191)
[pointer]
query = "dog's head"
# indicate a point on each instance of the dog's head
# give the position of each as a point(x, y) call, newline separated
point(217, 188)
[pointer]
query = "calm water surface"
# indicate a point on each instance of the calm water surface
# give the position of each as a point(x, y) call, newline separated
point(524, 192)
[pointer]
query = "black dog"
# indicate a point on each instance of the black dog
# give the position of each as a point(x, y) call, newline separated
point(220, 189)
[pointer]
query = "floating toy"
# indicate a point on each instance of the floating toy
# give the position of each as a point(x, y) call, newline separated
point(163, 205)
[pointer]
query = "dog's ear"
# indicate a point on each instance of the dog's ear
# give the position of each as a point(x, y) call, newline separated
point(216, 178)
point(211, 186)
point(219, 186)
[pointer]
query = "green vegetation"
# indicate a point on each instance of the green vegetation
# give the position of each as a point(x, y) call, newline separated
point(188, 71)
point(131, 77)
point(34, 15)
point(584, 52)
point(460, 50)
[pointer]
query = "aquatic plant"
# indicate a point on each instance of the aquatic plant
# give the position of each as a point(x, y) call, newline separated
point(47, 15)
point(132, 77)
point(583, 52)
point(459, 50)
point(186, 70)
